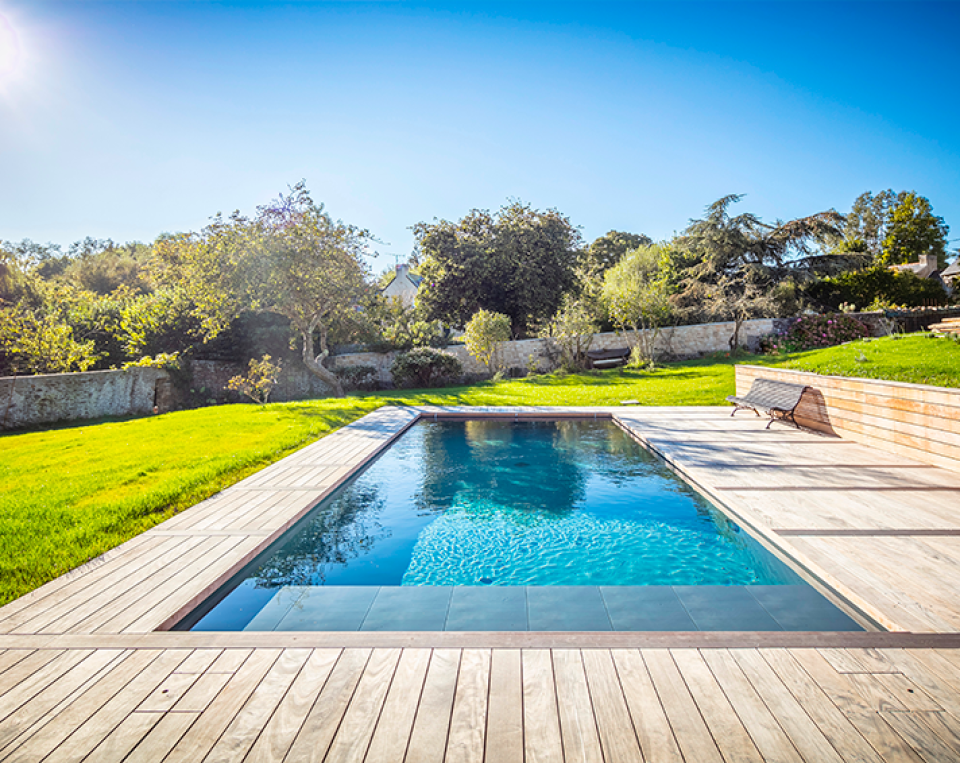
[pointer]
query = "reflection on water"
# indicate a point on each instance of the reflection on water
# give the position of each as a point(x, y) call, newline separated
point(490, 502)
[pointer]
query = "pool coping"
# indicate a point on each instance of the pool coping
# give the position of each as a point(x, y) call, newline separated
point(846, 600)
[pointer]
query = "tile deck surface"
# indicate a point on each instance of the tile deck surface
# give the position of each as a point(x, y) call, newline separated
point(85, 674)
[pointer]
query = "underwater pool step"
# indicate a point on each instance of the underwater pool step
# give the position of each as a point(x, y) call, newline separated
point(542, 608)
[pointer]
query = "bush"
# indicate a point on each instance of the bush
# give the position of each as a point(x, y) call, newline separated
point(876, 285)
point(358, 377)
point(425, 367)
point(262, 376)
point(484, 335)
point(812, 331)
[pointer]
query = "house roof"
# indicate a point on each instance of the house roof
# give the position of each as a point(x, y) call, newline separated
point(951, 270)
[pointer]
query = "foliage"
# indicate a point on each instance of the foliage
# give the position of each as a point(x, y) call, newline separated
point(609, 249)
point(425, 367)
point(732, 264)
point(913, 231)
point(518, 262)
point(868, 220)
point(809, 332)
point(636, 293)
point(262, 376)
point(878, 283)
point(484, 336)
point(358, 377)
point(570, 332)
point(40, 344)
point(398, 327)
point(165, 360)
point(292, 259)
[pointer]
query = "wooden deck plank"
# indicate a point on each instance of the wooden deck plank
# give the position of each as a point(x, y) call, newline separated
point(322, 721)
point(881, 736)
point(36, 681)
point(204, 734)
point(725, 725)
point(578, 725)
point(392, 732)
point(767, 734)
point(657, 742)
point(240, 735)
point(504, 740)
point(162, 738)
point(693, 737)
point(428, 740)
point(468, 721)
point(618, 737)
point(842, 734)
point(359, 721)
point(788, 712)
point(921, 737)
point(284, 725)
point(45, 705)
point(121, 741)
point(115, 710)
point(51, 736)
point(542, 738)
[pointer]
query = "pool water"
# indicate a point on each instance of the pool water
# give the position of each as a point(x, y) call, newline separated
point(494, 503)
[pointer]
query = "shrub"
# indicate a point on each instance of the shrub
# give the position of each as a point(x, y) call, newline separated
point(812, 331)
point(878, 285)
point(425, 367)
point(484, 334)
point(261, 378)
point(358, 377)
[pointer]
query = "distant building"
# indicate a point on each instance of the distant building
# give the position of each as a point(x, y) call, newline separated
point(926, 268)
point(951, 276)
point(404, 285)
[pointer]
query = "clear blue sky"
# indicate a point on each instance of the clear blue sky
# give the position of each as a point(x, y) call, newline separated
point(128, 119)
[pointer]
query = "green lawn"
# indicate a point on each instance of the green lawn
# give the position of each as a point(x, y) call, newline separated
point(916, 358)
point(67, 494)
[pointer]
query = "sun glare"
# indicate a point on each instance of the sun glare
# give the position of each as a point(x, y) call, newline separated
point(9, 48)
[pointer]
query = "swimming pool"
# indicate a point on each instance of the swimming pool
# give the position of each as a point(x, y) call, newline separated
point(558, 511)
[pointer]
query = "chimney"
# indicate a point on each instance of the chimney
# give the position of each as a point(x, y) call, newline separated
point(928, 263)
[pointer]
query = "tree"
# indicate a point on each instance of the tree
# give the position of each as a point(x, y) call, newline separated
point(636, 292)
point(292, 259)
point(518, 262)
point(606, 251)
point(484, 335)
point(570, 332)
point(731, 266)
point(914, 230)
point(868, 219)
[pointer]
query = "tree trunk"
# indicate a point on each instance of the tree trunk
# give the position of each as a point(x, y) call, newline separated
point(314, 364)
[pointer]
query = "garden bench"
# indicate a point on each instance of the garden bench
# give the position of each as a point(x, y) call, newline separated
point(777, 399)
point(608, 358)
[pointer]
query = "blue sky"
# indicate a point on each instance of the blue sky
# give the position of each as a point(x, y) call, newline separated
point(131, 118)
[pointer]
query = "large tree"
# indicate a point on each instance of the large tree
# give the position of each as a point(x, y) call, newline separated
point(518, 262)
point(914, 230)
point(292, 258)
point(732, 265)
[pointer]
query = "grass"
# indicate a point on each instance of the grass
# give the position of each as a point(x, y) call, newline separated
point(70, 493)
point(916, 358)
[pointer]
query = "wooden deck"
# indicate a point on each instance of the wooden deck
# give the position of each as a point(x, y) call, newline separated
point(86, 675)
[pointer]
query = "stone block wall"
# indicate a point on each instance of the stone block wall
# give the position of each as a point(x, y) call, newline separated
point(673, 343)
point(47, 398)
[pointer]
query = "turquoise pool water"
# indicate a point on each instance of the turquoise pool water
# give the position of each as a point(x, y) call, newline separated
point(494, 503)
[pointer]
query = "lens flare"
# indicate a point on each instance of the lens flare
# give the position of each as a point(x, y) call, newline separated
point(9, 48)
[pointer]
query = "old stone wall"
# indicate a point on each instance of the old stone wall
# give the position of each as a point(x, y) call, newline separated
point(673, 343)
point(47, 398)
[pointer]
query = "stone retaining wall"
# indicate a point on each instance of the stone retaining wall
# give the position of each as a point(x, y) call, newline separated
point(674, 342)
point(48, 398)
